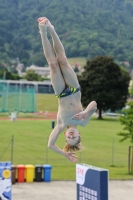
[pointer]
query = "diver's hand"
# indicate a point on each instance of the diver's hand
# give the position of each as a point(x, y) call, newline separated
point(71, 156)
point(79, 116)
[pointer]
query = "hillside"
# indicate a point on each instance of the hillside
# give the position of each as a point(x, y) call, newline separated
point(86, 28)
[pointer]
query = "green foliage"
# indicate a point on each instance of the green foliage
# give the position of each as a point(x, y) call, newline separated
point(131, 90)
point(127, 122)
point(8, 75)
point(105, 82)
point(31, 75)
point(86, 28)
point(5, 61)
point(37, 59)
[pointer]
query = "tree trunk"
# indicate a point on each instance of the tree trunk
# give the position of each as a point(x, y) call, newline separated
point(100, 114)
point(130, 159)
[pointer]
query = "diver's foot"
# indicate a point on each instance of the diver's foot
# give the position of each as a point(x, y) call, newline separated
point(45, 23)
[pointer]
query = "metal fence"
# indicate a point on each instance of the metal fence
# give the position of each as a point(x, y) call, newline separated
point(18, 153)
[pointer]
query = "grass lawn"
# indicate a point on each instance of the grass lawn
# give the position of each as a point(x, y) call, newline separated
point(46, 102)
point(30, 141)
point(79, 60)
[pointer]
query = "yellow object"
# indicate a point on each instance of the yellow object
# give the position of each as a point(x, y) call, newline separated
point(6, 173)
point(29, 173)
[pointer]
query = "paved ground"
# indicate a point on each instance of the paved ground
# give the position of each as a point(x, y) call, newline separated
point(66, 190)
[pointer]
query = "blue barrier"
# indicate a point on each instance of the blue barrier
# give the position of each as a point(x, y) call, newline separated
point(5, 181)
point(92, 182)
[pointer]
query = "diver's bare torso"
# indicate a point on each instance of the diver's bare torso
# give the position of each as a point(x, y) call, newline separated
point(68, 107)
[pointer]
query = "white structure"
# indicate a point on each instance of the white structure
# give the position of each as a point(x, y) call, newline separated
point(13, 116)
point(43, 71)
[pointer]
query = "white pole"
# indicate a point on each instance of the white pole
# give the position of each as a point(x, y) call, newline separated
point(20, 92)
point(7, 95)
point(35, 108)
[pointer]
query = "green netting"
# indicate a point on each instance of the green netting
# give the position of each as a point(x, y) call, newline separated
point(17, 97)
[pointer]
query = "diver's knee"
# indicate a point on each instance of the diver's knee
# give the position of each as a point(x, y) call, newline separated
point(53, 65)
point(62, 60)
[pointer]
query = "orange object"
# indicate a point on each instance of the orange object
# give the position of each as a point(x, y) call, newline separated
point(21, 173)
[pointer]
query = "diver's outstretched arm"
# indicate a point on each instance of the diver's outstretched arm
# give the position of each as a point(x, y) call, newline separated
point(51, 144)
point(52, 139)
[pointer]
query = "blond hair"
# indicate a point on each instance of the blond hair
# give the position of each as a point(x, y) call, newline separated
point(74, 148)
point(69, 148)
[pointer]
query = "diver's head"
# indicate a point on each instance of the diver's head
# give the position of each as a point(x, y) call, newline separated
point(73, 139)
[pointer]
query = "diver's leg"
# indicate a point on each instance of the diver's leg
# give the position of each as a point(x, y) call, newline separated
point(68, 72)
point(55, 72)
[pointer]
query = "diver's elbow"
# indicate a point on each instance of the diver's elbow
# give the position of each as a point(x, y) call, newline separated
point(49, 146)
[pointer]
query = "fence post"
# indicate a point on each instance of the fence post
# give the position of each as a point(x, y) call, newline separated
point(113, 152)
point(129, 159)
point(47, 151)
point(12, 148)
point(6, 150)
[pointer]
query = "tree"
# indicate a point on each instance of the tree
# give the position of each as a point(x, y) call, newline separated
point(105, 82)
point(87, 34)
point(127, 122)
point(31, 75)
point(4, 73)
point(37, 59)
point(131, 91)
